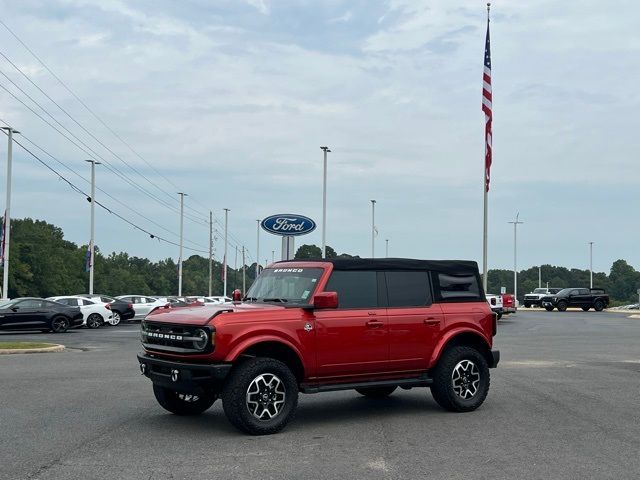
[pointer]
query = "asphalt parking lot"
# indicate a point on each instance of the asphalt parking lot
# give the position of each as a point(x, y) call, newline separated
point(563, 404)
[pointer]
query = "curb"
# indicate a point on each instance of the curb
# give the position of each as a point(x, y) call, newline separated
point(54, 348)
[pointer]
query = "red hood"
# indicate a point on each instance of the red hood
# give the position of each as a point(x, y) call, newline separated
point(201, 315)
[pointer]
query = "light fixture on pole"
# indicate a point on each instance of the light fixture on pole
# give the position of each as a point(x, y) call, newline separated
point(182, 195)
point(324, 203)
point(93, 224)
point(6, 225)
point(226, 242)
point(515, 223)
point(373, 228)
point(590, 264)
point(210, 250)
point(386, 248)
point(257, 247)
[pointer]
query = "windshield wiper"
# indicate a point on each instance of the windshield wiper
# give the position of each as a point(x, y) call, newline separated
point(282, 300)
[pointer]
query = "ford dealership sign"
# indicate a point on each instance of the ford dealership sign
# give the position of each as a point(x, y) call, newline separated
point(288, 225)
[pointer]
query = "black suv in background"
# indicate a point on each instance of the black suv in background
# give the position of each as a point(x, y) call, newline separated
point(584, 298)
point(121, 310)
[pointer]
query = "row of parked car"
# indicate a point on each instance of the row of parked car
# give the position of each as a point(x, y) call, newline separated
point(58, 314)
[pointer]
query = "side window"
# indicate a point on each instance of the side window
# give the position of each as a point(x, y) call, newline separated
point(459, 288)
point(64, 301)
point(408, 289)
point(150, 300)
point(575, 292)
point(356, 289)
point(584, 291)
point(30, 304)
point(106, 299)
point(87, 302)
point(127, 299)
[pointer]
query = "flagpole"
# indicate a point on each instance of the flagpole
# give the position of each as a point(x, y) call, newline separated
point(485, 268)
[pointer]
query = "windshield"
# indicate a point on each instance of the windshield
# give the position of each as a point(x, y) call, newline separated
point(285, 285)
point(564, 291)
point(540, 290)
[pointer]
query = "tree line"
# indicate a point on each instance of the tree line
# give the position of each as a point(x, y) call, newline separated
point(44, 264)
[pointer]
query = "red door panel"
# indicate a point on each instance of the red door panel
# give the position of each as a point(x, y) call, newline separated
point(351, 342)
point(413, 334)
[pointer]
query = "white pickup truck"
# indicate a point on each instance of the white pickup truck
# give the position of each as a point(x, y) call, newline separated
point(495, 302)
point(533, 299)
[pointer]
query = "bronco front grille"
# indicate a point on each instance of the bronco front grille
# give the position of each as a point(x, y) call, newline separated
point(176, 338)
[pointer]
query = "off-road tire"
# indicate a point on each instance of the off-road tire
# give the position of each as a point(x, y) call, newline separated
point(443, 386)
point(598, 305)
point(236, 392)
point(183, 404)
point(549, 309)
point(562, 306)
point(376, 392)
point(94, 320)
point(585, 309)
point(527, 305)
point(59, 325)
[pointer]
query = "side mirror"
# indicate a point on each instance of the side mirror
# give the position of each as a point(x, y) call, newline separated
point(236, 296)
point(325, 300)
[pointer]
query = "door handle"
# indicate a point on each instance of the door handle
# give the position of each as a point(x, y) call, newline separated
point(374, 323)
point(372, 314)
point(431, 321)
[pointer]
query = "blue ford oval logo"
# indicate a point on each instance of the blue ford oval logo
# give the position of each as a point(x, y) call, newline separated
point(288, 224)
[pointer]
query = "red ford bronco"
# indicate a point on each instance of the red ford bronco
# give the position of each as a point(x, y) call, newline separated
point(316, 326)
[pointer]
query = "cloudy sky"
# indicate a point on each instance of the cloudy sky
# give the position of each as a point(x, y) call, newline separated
point(230, 100)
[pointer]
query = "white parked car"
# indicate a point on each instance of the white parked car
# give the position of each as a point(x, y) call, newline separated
point(143, 304)
point(495, 302)
point(94, 314)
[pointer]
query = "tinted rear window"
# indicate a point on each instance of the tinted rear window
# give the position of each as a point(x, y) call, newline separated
point(408, 289)
point(453, 288)
point(356, 289)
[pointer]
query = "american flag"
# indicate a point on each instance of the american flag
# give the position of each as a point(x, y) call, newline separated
point(486, 108)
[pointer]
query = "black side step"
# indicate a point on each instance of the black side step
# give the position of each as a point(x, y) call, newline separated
point(422, 381)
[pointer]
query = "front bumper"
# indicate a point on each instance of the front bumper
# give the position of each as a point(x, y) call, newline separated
point(194, 378)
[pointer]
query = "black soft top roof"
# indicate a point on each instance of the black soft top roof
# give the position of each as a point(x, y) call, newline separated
point(457, 267)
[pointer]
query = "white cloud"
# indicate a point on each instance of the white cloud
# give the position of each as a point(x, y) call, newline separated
point(260, 5)
point(344, 18)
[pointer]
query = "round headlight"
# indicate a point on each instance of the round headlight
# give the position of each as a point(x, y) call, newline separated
point(202, 337)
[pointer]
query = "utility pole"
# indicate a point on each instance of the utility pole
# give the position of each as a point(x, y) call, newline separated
point(273, 256)
point(515, 257)
point(590, 264)
point(7, 216)
point(226, 239)
point(235, 273)
point(324, 203)
point(244, 273)
point(182, 195)
point(386, 249)
point(373, 228)
point(258, 248)
point(93, 223)
point(539, 277)
point(210, 250)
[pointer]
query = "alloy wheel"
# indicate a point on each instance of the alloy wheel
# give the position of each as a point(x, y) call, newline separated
point(465, 379)
point(266, 396)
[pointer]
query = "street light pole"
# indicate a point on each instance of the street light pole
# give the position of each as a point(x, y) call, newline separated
point(7, 216)
point(539, 276)
point(373, 228)
point(244, 273)
point(257, 247)
point(93, 223)
point(210, 250)
point(182, 195)
point(224, 267)
point(515, 257)
point(387, 248)
point(590, 264)
point(324, 203)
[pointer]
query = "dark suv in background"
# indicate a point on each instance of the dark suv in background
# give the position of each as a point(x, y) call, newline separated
point(584, 298)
